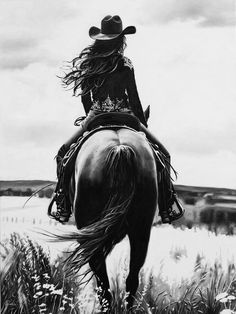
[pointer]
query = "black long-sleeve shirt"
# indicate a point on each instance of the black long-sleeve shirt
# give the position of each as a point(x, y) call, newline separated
point(121, 85)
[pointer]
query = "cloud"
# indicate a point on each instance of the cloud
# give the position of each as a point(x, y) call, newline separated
point(17, 44)
point(28, 29)
point(18, 50)
point(204, 13)
point(43, 133)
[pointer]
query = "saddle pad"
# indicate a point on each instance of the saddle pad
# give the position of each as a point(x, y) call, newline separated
point(75, 148)
point(114, 119)
point(69, 159)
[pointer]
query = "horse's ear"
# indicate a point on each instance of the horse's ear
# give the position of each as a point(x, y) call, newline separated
point(147, 113)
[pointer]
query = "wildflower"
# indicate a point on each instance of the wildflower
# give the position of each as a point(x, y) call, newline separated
point(224, 300)
point(59, 292)
point(36, 285)
point(46, 286)
point(221, 296)
point(42, 305)
point(36, 278)
point(67, 298)
point(39, 293)
point(227, 311)
point(231, 297)
point(46, 276)
point(52, 287)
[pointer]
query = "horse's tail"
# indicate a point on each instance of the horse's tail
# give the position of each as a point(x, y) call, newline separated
point(120, 171)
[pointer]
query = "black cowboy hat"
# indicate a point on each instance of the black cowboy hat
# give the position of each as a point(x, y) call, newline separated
point(111, 27)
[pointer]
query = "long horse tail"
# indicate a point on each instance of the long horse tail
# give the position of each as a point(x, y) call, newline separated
point(120, 173)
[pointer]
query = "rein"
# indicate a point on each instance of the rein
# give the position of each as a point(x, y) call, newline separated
point(35, 192)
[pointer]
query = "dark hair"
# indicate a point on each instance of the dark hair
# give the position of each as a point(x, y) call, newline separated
point(88, 70)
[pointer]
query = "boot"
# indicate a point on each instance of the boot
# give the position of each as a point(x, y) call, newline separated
point(162, 200)
point(172, 213)
point(59, 197)
point(167, 196)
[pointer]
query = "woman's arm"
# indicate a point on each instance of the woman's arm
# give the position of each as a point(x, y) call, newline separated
point(134, 97)
point(86, 100)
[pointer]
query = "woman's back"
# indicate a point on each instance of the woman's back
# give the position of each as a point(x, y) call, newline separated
point(114, 84)
point(116, 91)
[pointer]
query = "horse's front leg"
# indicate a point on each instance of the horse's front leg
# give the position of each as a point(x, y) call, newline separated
point(98, 266)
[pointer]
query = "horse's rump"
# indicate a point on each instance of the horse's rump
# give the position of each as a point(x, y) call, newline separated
point(93, 169)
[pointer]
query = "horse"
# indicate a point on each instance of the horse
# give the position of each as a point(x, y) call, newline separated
point(114, 190)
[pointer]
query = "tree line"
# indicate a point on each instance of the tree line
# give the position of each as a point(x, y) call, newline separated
point(47, 192)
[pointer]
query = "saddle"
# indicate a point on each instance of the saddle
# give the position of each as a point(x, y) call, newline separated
point(114, 119)
point(107, 121)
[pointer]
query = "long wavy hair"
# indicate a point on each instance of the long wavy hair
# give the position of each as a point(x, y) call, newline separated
point(88, 71)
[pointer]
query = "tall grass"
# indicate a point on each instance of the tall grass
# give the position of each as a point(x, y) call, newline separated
point(32, 284)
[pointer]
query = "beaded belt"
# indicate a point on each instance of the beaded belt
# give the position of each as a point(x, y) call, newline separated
point(110, 105)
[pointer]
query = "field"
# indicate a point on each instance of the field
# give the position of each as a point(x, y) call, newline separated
point(186, 270)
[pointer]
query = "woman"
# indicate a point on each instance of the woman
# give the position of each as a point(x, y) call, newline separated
point(105, 80)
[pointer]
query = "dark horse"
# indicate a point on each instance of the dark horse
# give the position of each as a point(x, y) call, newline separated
point(115, 193)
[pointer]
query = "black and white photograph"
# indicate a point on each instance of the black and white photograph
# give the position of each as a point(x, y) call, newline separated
point(118, 157)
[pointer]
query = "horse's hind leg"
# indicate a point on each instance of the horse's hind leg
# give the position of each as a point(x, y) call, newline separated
point(98, 266)
point(138, 251)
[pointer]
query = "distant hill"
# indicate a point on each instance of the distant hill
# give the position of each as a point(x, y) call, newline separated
point(43, 188)
point(183, 190)
point(203, 190)
point(23, 185)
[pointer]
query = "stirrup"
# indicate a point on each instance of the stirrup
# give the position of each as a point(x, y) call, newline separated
point(165, 217)
point(62, 214)
point(172, 213)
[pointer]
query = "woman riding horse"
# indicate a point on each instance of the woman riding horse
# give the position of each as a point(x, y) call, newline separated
point(105, 80)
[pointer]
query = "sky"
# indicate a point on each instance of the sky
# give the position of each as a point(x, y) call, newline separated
point(184, 56)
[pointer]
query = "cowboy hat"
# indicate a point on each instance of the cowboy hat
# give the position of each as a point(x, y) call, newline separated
point(111, 27)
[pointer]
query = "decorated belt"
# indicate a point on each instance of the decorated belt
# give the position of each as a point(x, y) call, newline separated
point(110, 105)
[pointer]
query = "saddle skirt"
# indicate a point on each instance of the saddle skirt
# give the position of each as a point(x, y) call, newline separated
point(109, 121)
